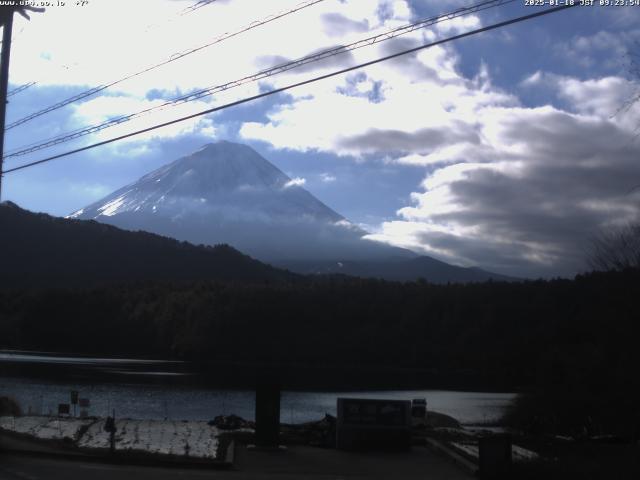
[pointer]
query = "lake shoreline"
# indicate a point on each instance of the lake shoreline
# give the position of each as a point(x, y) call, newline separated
point(238, 376)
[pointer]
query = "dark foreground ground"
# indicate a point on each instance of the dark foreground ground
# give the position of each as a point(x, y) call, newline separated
point(581, 460)
point(296, 462)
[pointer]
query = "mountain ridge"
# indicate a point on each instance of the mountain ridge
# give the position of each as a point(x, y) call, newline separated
point(222, 169)
point(39, 250)
point(228, 193)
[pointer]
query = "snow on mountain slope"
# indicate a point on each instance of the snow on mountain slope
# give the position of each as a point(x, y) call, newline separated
point(228, 193)
point(218, 177)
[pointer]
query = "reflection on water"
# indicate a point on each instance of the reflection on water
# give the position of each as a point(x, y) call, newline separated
point(157, 401)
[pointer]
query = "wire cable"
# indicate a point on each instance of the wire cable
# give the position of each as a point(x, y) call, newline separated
point(196, 6)
point(172, 58)
point(19, 89)
point(298, 84)
point(183, 12)
point(388, 35)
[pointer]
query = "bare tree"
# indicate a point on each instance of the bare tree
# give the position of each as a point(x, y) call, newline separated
point(616, 249)
point(619, 248)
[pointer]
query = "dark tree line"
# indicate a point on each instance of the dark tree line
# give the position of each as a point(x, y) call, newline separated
point(578, 338)
point(38, 250)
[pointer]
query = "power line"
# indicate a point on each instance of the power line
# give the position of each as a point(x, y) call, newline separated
point(185, 11)
point(20, 88)
point(27, 85)
point(181, 13)
point(23, 87)
point(388, 35)
point(196, 6)
point(298, 84)
point(172, 58)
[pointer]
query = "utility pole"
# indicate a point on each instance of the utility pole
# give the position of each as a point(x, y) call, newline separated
point(6, 20)
point(7, 29)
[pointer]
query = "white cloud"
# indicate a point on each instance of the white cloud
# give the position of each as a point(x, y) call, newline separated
point(605, 49)
point(546, 181)
point(90, 190)
point(101, 109)
point(97, 44)
point(516, 189)
point(103, 41)
point(513, 188)
point(610, 97)
point(535, 79)
point(459, 25)
point(328, 178)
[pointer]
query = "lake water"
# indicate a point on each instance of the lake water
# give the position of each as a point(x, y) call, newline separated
point(156, 401)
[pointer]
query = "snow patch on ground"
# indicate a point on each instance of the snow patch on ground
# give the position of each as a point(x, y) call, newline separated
point(468, 448)
point(195, 439)
point(522, 454)
point(46, 428)
point(518, 454)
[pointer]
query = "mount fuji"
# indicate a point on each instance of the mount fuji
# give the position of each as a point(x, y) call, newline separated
point(227, 193)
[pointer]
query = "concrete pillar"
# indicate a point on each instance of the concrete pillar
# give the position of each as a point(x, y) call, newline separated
point(268, 415)
point(494, 456)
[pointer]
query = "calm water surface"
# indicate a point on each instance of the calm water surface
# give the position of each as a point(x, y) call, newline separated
point(145, 401)
point(157, 402)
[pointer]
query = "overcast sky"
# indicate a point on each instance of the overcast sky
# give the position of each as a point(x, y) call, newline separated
point(507, 150)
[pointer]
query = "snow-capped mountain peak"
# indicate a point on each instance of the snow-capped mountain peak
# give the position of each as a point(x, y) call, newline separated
point(218, 175)
point(227, 193)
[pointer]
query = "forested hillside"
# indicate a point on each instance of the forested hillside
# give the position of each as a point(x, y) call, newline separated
point(44, 251)
point(574, 336)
